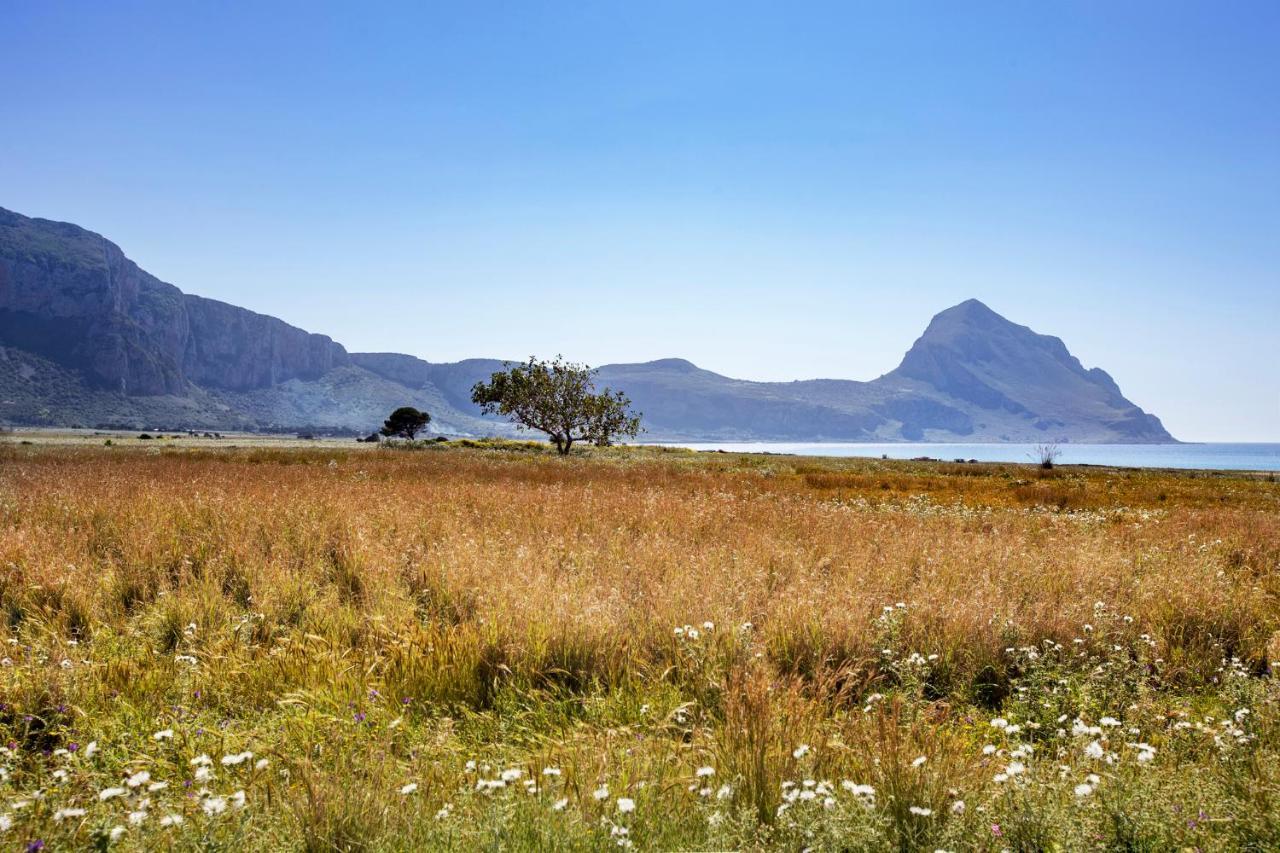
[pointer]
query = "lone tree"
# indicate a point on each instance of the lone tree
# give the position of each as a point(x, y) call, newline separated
point(405, 422)
point(560, 399)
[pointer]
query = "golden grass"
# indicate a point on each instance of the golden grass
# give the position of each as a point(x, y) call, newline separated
point(457, 579)
point(597, 561)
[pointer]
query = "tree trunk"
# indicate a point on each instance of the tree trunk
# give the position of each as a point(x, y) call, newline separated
point(564, 448)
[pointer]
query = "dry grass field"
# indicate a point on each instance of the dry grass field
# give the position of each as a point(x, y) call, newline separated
point(332, 648)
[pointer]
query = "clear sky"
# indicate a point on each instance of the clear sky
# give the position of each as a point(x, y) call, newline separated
point(772, 190)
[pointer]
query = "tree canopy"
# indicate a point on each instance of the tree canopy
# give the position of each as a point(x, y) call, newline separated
point(558, 398)
point(405, 422)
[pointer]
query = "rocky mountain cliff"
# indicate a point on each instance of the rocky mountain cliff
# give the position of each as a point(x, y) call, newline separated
point(87, 338)
point(73, 297)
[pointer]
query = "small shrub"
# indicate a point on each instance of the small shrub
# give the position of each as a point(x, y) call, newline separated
point(1046, 455)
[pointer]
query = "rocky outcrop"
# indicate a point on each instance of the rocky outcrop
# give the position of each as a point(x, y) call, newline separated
point(972, 359)
point(240, 350)
point(71, 296)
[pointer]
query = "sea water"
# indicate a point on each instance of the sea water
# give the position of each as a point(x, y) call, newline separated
point(1220, 456)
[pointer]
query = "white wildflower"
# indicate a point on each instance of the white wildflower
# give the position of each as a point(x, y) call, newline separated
point(626, 805)
point(408, 789)
point(865, 791)
point(108, 793)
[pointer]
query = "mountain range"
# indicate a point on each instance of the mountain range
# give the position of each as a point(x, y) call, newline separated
point(88, 338)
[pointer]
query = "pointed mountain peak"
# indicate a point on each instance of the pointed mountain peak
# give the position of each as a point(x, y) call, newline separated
point(969, 308)
point(969, 335)
point(973, 355)
point(969, 315)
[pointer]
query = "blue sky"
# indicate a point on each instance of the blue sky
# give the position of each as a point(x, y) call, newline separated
point(774, 191)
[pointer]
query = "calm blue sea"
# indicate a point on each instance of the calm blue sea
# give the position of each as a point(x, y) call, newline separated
point(1236, 457)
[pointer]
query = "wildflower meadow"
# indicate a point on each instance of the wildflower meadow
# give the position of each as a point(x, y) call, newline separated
point(489, 647)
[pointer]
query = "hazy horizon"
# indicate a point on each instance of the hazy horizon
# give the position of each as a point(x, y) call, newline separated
point(772, 195)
